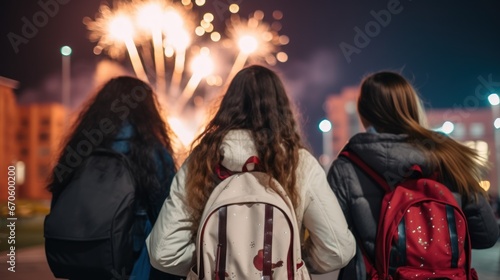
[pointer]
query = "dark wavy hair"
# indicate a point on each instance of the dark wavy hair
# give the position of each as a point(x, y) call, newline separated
point(256, 101)
point(122, 100)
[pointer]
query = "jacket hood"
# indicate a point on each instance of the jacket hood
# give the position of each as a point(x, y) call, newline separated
point(237, 146)
point(389, 155)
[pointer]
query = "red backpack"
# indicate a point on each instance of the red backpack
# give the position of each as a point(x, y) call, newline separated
point(422, 232)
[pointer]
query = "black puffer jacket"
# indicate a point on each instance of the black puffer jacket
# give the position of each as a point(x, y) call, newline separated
point(390, 156)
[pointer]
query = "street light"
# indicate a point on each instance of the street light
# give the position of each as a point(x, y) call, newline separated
point(494, 100)
point(326, 128)
point(66, 79)
point(447, 127)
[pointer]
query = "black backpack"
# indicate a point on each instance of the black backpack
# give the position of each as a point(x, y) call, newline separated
point(88, 232)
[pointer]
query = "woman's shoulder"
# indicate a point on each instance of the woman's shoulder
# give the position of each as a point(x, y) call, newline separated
point(307, 163)
point(306, 157)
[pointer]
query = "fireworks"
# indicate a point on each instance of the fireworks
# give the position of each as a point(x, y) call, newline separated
point(253, 37)
point(162, 37)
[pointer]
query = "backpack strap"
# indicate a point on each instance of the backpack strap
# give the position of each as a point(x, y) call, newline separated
point(371, 272)
point(354, 158)
point(222, 247)
point(415, 171)
point(268, 243)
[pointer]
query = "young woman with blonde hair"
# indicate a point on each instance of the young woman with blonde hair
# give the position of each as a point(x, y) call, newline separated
point(396, 139)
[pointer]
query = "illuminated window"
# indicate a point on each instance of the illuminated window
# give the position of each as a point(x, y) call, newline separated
point(480, 146)
point(459, 131)
point(476, 130)
point(20, 172)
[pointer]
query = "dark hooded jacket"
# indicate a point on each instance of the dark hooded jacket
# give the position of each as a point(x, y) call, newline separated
point(391, 156)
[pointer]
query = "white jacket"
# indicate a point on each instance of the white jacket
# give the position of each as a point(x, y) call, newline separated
point(330, 246)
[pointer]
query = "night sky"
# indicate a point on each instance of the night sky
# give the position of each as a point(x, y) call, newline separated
point(442, 46)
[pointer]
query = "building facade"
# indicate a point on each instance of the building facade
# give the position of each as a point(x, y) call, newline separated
point(30, 143)
point(41, 130)
point(8, 128)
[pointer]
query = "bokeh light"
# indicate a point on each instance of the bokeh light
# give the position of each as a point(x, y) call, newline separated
point(66, 51)
point(448, 127)
point(325, 126)
point(494, 99)
point(496, 123)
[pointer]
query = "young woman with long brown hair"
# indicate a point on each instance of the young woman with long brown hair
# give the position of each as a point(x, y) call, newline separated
point(255, 118)
point(396, 139)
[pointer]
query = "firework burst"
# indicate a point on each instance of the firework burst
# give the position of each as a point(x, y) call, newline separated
point(176, 45)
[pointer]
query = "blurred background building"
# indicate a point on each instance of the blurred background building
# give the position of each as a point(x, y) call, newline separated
point(41, 130)
point(31, 138)
point(8, 122)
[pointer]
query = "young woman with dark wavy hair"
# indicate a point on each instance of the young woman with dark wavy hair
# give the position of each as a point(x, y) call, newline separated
point(255, 118)
point(396, 138)
point(124, 116)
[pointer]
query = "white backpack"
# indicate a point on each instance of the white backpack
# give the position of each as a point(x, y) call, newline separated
point(248, 231)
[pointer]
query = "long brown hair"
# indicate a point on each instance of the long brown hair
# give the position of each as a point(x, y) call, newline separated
point(256, 101)
point(389, 103)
